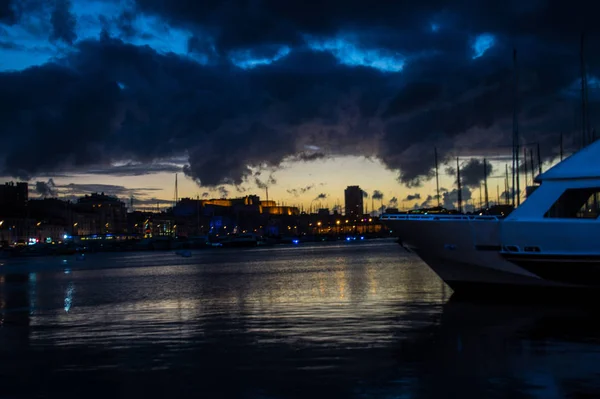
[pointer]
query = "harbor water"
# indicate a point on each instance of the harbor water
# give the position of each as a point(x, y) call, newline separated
point(335, 320)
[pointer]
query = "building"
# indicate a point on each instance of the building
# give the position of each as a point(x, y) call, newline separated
point(100, 214)
point(353, 200)
point(13, 197)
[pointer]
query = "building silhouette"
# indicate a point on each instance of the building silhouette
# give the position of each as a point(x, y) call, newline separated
point(353, 200)
point(99, 214)
point(13, 196)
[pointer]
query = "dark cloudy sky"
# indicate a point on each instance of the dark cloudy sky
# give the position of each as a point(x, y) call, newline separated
point(303, 96)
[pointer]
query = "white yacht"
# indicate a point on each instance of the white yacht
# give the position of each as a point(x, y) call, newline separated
point(552, 240)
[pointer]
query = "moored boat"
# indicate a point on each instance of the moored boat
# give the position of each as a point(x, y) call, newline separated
point(550, 241)
point(242, 240)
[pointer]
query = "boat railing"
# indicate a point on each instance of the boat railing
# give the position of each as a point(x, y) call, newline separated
point(438, 217)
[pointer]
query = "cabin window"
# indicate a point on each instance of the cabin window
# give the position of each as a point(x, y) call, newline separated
point(576, 203)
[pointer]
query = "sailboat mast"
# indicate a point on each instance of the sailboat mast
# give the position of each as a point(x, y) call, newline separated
point(531, 161)
point(437, 177)
point(176, 193)
point(506, 184)
point(539, 159)
point(485, 183)
point(525, 164)
point(585, 128)
point(561, 146)
point(516, 187)
point(459, 186)
point(497, 194)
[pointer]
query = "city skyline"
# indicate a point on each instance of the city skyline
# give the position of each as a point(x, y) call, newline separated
point(126, 94)
point(150, 189)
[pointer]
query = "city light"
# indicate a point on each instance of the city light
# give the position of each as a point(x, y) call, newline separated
point(112, 230)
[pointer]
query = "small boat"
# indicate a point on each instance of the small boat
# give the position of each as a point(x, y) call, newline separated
point(242, 240)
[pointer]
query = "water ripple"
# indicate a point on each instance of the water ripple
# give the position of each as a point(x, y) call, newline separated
point(336, 320)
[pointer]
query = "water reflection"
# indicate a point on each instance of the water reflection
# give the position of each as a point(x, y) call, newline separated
point(14, 312)
point(339, 321)
point(497, 351)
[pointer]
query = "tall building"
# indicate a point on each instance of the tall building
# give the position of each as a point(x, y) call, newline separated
point(354, 200)
point(13, 198)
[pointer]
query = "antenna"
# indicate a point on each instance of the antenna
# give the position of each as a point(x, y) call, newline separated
point(437, 177)
point(480, 197)
point(459, 186)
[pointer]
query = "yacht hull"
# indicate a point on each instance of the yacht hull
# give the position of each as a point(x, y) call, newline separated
point(477, 280)
point(467, 257)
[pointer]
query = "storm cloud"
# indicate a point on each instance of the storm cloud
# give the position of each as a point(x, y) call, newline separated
point(412, 197)
point(79, 189)
point(45, 189)
point(450, 199)
point(63, 22)
point(378, 195)
point(472, 172)
point(256, 84)
point(296, 192)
